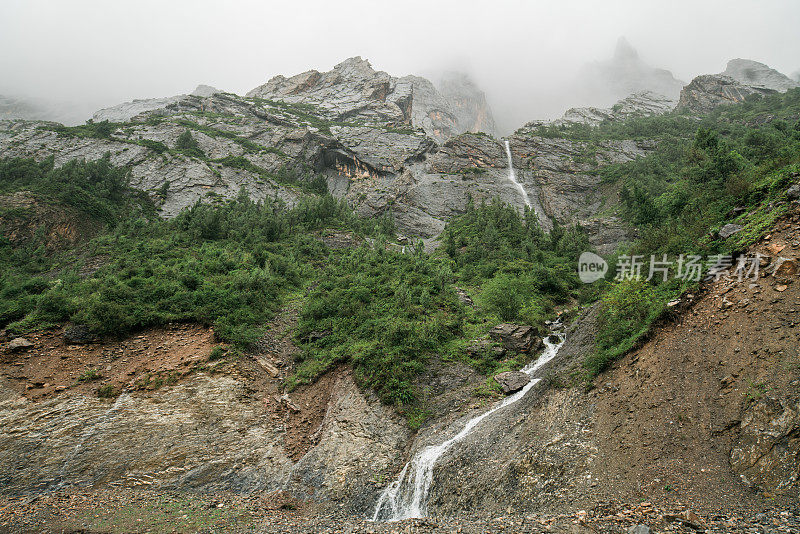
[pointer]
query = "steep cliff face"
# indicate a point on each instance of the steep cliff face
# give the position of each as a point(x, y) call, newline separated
point(741, 79)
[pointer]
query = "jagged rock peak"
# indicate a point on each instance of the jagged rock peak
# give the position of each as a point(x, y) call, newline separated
point(624, 51)
point(757, 74)
point(625, 73)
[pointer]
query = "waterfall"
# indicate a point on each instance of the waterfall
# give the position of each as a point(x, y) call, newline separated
point(513, 177)
point(407, 497)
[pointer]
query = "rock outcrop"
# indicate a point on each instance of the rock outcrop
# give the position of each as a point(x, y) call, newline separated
point(353, 91)
point(741, 79)
point(639, 104)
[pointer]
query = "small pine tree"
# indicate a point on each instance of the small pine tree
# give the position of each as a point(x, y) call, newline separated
point(187, 144)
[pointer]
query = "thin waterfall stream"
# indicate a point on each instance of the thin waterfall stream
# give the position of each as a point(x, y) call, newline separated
point(512, 177)
point(407, 497)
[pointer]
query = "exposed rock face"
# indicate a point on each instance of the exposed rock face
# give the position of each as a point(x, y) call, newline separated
point(128, 110)
point(209, 432)
point(352, 125)
point(354, 91)
point(626, 73)
point(562, 173)
point(767, 452)
point(741, 79)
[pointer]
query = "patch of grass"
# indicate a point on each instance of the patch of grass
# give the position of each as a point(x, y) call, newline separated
point(106, 391)
point(90, 375)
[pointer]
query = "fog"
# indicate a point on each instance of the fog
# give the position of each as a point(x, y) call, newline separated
point(524, 54)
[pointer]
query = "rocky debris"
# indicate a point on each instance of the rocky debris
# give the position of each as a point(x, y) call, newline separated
point(730, 229)
point(18, 344)
point(741, 79)
point(77, 335)
point(269, 367)
point(144, 509)
point(353, 90)
point(512, 381)
point(514, 337)
point(785, 267)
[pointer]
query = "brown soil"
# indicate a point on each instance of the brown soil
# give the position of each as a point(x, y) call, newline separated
point(25, 214)
point(668, 414)
point(153, 358)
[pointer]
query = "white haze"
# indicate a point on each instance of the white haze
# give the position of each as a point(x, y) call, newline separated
point(522, 53)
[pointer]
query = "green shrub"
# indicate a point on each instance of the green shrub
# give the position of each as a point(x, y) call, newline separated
point(187, 144)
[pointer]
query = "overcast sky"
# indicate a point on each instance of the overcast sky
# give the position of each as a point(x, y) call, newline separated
point(521, 52)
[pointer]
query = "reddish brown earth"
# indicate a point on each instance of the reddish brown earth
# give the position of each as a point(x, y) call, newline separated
point(668, 414)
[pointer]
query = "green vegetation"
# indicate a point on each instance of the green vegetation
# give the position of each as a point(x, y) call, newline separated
point(227, 265)
point(387, 313)
point(382, 309)
point(90, 375)
point(188, 145)
point(733, 165)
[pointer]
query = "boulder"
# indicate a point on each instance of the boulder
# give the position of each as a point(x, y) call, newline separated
point(729, 229)
point(77, 335)
point(18, 344)
point(786, 267)
point(512, 381)
point(514, 337)
point(793, 193)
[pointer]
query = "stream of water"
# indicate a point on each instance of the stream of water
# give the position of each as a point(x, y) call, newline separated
point(512, 177)
point(407, 496)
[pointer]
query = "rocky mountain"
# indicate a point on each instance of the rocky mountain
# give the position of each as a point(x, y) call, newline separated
point(353, 91)
point(626, 73)
point(741, 79)
point(383, 143)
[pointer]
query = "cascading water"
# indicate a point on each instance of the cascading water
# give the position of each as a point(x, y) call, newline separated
point(513, 177)
point(407, 496)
